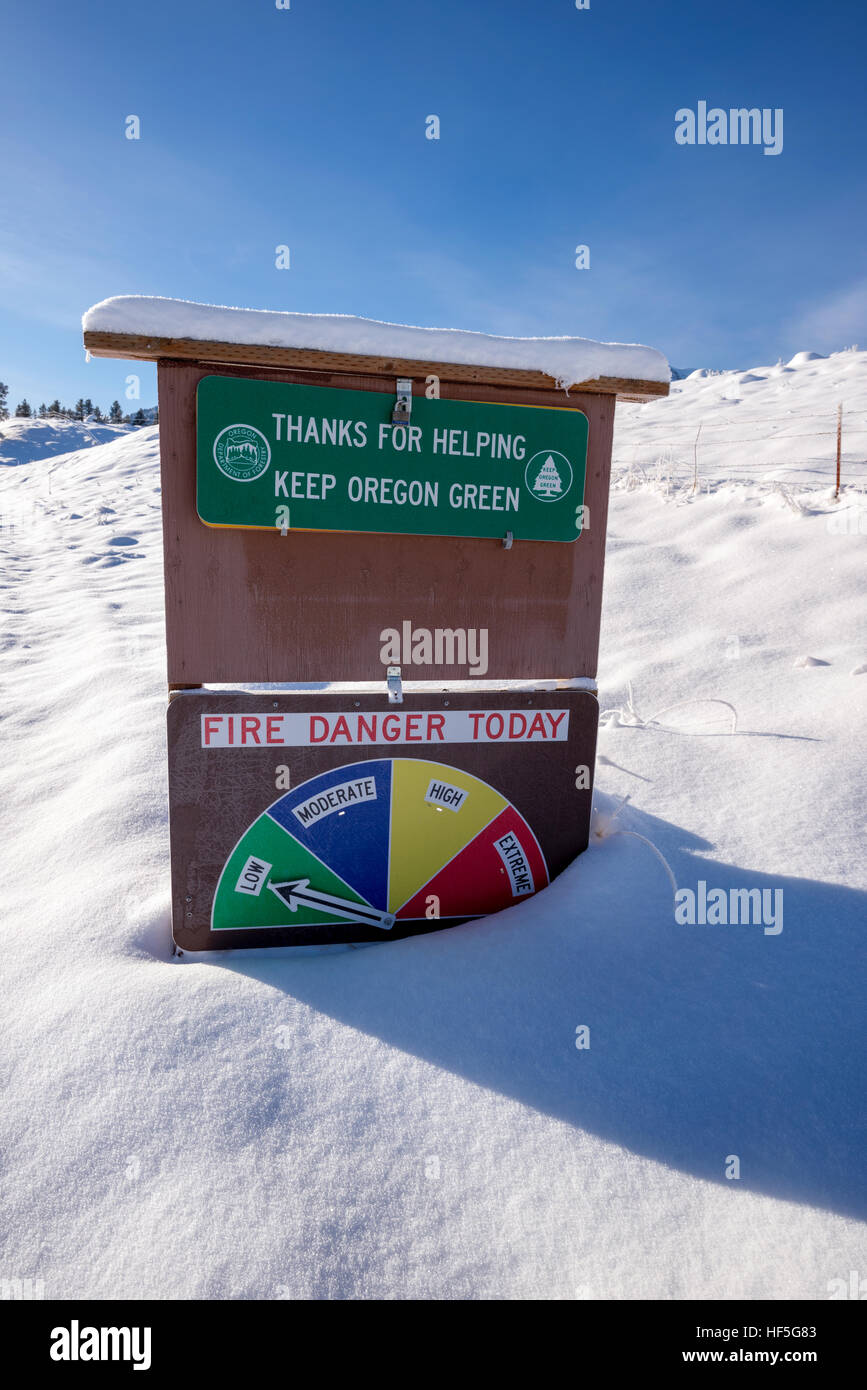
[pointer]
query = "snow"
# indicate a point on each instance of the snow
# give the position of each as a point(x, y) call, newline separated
point(23, 440)
point(567, 360)
point(414, 1120)
point(772, 426)
point(801, 357)
point(371, 687)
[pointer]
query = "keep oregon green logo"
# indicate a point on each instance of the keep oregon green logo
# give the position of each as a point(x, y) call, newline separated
point(548, 475)
point(242, 453)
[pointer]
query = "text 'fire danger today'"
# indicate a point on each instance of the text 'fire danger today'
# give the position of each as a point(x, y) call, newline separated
point(332, 728)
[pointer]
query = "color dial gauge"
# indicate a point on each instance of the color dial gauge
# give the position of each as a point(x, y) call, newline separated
point(375, 845)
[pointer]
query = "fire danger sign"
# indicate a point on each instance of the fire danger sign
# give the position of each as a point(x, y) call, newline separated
point(353, 822)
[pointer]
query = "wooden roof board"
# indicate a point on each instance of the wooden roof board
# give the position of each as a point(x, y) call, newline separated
point(141, 347)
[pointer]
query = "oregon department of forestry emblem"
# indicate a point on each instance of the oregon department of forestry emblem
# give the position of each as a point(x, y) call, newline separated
point(548, 476)
point(242, 453)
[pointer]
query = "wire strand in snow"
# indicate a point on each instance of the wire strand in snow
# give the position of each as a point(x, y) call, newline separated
point(660, 856)
point(604, 829)
point(630, 717)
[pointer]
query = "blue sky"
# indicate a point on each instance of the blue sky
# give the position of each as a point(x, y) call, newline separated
point(306, 127)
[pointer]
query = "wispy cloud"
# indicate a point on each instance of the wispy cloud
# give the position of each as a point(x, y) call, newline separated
point(838, 321)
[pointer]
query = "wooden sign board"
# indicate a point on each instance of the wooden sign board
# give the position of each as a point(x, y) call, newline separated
point(245, 605)
point(312, 819)
point(272, 455)
point(326, 516)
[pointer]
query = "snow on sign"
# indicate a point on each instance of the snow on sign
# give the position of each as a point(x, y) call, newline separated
point(331, 820)
point(274, 455)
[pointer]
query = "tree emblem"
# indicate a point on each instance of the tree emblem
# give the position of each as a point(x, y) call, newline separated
point(548, 475)
point(548, 482)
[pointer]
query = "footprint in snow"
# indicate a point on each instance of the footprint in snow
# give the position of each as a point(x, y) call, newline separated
point(859, 670)
point(123, 540)
point(118, 558)
point(802, 662)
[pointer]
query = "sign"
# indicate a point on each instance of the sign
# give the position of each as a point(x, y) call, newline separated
point(334, 819)
point(308, 728)
point(274, 455)
point(334, 816)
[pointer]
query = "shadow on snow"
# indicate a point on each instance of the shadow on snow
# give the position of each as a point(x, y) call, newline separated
point(705, 1041)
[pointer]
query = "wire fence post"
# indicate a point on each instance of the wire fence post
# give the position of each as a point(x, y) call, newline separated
point(839, 444)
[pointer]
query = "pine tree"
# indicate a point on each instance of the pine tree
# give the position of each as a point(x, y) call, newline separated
point(4, 401)
point(43, 411)
point(79, 409)
point(115, 414)
point(88, 406)
point(54, 408)
point(548, 482)
point(22, 409)
point(139, 418)
point(97, 414)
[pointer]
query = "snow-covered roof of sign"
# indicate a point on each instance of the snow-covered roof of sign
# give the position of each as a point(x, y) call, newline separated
point(151, 328)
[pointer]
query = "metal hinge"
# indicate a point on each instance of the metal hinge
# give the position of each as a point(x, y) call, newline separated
point(402, 411)
point(395, 688)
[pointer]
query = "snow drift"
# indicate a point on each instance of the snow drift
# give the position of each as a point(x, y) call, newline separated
point(415, 1120)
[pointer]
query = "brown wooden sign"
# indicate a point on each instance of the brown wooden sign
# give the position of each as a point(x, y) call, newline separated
point(310, 819)
point(307, 606)
point(319, 818)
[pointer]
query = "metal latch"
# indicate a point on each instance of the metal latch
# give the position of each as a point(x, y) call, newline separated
point(402, 411)
point(395, 688)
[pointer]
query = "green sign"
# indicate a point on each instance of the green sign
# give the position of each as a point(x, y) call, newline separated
point(312, 458)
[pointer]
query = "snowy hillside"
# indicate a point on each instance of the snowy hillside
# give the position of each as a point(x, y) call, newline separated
point(414, 1120)
point(776, 425)
point(23, 441)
